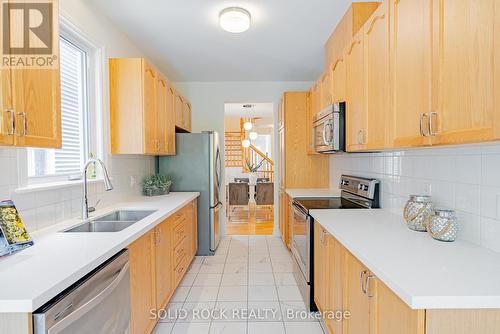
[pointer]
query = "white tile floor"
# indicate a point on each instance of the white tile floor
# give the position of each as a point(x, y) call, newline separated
point(248, 287)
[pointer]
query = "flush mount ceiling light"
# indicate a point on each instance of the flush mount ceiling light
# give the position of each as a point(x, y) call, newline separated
point(245, 143)
point(234, 19)
point(253, 135)
point(248, 126)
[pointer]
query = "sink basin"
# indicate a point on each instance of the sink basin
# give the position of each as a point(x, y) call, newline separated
point(112, 222)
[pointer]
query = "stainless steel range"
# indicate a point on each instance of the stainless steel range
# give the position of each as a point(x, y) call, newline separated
point(357, 193)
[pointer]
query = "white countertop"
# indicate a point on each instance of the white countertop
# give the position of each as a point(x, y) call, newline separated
point(30, 278)
point(423, 272)
point(318, 192)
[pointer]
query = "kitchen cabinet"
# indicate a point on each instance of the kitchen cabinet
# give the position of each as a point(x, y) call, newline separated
point(182, 114)
point(142, 282)
point(326, 90)
point(316, 98)
point(141, 109)
point(328, 276)
point(31, 108)
point(164, 266)
point(355, 94)
point(309, 128)
point(165, 114)
point(158, 261)
point(294, 147)
point(411, 75)
point(373, 306)
point(376, 78)
point(7, 117)
point(355, 297)
point(339, 80)
point(463, 103)
point(286, 216)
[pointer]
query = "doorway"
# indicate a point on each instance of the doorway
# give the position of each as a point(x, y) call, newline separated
point(249, 151)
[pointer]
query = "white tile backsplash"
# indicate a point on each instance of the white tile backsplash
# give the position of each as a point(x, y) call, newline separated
point(40, 209)
point(465, 178)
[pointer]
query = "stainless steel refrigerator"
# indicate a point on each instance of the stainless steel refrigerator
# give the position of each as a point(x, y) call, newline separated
point(197, 167)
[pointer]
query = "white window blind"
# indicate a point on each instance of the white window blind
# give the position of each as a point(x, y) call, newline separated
point(74, 114)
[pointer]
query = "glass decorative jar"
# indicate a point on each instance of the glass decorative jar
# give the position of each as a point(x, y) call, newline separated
point(443, 225)
point(416, 211)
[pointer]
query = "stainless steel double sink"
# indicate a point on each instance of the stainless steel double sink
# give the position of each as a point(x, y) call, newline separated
point(112, 222)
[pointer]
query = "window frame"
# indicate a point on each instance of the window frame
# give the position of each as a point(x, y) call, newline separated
point(95, 104)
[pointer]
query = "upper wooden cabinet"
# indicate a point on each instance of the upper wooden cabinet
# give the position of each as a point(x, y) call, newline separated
point(463, 86)
point(7, 117)
point(356, 118)
point(376, 77)
point(411, 74)
point(352, 21)
point(141, 106)
point(315, 103)
point(326, 90)
point(339, 79)
point(294, 147)
point(182, 113)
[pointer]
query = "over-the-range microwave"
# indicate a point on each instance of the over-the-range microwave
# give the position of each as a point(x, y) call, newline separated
point(329, 129)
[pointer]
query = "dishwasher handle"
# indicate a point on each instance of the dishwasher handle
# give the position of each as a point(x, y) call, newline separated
point(79, 312)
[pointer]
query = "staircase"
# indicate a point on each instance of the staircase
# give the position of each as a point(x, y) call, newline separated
point(233, 149)
point(238, 156)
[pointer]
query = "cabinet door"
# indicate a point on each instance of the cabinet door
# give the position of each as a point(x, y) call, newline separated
point(161, 110)
point(309, 132)
point(150, 115)
point(170, 130)
point(282, 158)
point(334, 275)
point(385, 305)
point(355, 299)
point(37, 104)
point(326, 90)
point(321, 264)
point(316, 98)
point(411, 59)
point(179, 119)
point(194, 225)
point(376, 48)
point(164, 266)
point(355, 92)
point(338, 80)
point(7, 111)
point(463, 83)
point(142, 283)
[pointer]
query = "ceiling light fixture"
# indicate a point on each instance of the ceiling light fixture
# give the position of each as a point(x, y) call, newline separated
point(248, 126)
point(253, 135)
point(245, 143)
point(234, 19)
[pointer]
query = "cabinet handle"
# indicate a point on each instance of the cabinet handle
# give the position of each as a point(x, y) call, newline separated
point(422, 120)
point(367, 286)
point(25, 124)
point(362, 280)
point(12, 122)
point(431, 123)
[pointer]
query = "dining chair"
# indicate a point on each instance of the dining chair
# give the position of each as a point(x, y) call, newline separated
point(239, 196)
point(264, 199)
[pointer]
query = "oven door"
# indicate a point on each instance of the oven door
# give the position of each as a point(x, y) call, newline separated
point(301, 241)
point(324, 134)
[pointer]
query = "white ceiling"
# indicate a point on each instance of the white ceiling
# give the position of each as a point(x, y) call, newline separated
point(182, 37)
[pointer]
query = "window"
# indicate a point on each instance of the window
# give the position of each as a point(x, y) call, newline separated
point(67, 162)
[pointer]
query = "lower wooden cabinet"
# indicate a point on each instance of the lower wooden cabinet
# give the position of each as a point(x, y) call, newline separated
point(286, 218)
point(142, 282)
point(158, 262)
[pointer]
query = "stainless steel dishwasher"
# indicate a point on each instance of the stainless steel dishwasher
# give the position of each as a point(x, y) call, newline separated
point(98, 304)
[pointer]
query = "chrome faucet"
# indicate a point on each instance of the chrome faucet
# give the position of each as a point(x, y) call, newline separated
point(107, 186)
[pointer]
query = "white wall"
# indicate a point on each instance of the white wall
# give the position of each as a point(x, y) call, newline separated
point(466, 179)
point(40, 209)
point(208, 100)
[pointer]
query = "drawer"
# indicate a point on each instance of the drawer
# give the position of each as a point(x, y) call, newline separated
point(180, 231)
point(179, 270)
point(181, 251)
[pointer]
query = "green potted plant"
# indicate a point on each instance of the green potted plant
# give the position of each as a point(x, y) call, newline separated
point(155, 185)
